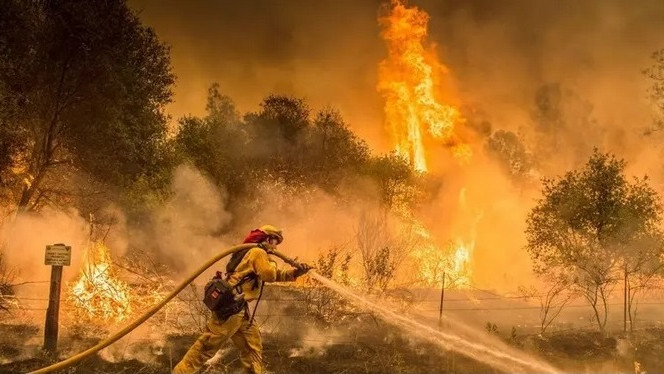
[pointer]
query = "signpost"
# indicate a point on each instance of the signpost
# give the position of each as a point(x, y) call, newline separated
point(57, 255)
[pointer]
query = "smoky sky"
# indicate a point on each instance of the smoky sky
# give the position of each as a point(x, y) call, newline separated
point(498, 54)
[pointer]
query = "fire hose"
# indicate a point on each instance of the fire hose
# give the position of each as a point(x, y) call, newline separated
point(145, 316)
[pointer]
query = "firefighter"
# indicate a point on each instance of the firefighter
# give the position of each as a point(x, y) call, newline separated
point(248, 269)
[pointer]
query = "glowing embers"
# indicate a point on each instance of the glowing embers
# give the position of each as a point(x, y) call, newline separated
point(409, 80)
point(98, 294)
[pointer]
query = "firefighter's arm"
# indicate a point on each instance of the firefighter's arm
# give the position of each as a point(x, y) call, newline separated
point(267, 271)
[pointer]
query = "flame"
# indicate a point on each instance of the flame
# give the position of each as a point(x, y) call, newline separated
point(460, 272)
point(98, 293)
point(409, 81)
point(432, 261)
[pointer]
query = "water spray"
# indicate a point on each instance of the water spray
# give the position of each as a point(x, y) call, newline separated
point(492, 356)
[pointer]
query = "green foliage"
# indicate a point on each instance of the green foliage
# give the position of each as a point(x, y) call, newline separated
point(285, 144)
point(333, 148)
point(589, 223)
point(82, 88)
point(399, 186)
point(216, 143)
point(281, 117)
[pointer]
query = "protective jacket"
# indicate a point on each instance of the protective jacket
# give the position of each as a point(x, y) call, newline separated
point(256, 261)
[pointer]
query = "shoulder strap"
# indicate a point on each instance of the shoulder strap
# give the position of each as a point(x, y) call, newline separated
point(235, 260)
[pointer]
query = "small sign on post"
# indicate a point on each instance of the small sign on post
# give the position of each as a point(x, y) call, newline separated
point(57, 255)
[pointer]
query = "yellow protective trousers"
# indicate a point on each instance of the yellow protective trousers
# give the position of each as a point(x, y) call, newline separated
point(245, 336)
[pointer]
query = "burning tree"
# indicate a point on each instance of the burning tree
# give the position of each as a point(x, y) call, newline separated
point(593, 228)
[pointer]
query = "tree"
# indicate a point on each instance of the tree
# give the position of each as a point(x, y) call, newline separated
point(398, 185)
point(333, 149)
point(551, 302)
point(282, 117)
point(218, 144)
point(508, 150)
point(382, 248)
point(640, 243)
point(656, 91)
point(284, 143)
point(563, 120)
point(82, 88)
point(584, 228)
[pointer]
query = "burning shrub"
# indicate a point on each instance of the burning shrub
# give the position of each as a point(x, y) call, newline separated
point(98, 294)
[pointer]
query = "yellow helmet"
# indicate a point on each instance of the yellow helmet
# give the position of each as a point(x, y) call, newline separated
point(274, 232)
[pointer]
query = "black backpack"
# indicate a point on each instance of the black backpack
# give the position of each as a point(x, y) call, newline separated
point(223, 298)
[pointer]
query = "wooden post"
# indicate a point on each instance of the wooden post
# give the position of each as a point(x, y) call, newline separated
point(53, 311)
point(442, 298)
point(57, 256)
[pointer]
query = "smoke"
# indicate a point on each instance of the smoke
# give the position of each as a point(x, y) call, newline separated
point(314, 342)
point(195, 223)
point(311, 219)
point(503, 54)
point(491, 216)
point(25, 239)
point(145, 344)
point(301, 48)
point(187, 228)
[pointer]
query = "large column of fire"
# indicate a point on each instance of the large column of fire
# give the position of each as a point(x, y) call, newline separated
point(410, 82)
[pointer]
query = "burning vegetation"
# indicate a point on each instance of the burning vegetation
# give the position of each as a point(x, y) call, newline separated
point(98, 294)
point(444, 254)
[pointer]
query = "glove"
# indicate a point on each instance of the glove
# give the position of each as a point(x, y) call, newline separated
point(301, 270)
